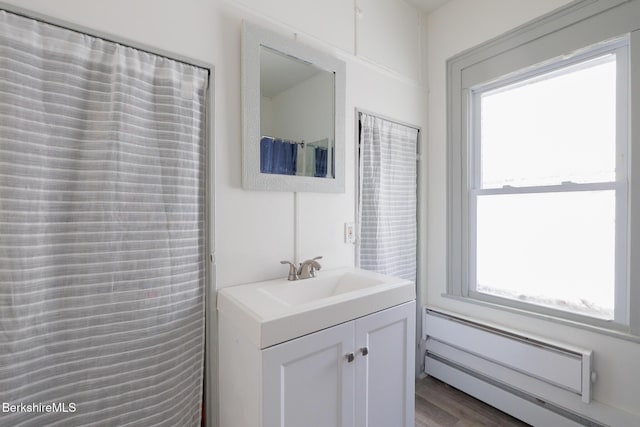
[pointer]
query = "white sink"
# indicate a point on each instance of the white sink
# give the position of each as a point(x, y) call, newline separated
point(278, 310)
point(300, 292)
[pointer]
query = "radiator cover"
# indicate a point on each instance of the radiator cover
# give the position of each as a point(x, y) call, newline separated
point(532, 371)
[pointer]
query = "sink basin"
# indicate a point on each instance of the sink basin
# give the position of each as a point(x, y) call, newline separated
point(275, 311)
point(300, 292)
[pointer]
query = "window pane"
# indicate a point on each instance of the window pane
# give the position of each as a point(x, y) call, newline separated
point(551, 249)
point(552, 128)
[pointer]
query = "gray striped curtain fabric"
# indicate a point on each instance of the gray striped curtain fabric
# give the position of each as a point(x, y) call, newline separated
point(388, 199)
point(102, 215)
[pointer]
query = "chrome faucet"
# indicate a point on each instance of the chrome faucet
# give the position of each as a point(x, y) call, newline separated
point(306, 270)
point(293, 271)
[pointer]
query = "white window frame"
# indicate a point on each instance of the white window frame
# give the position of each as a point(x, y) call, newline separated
point(581, 30)
point(620, 49)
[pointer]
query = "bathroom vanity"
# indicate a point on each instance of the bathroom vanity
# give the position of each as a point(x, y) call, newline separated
point(336, 350)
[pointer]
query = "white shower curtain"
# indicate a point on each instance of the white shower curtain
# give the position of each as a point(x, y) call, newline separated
point(102, 165)
point(388, 199)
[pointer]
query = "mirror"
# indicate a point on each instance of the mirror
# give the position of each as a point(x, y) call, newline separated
point(296, 117)
point(293, 115)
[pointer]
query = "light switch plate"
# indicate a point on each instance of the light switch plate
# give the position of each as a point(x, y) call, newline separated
point(349, 233)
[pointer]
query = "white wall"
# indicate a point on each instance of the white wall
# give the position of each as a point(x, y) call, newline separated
point(457, 26)
point(266, 116)
point(305, 111)
point(378, 19)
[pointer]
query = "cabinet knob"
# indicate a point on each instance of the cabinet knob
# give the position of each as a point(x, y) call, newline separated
point(349, 357)
point(364, 351)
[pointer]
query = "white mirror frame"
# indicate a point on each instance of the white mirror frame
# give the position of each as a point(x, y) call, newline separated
point(253, 38)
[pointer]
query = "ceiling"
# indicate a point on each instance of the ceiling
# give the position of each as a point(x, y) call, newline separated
point(428, 5)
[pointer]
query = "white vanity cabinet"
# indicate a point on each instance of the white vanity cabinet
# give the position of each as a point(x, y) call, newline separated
point(385, 377)
point(309, 381)
point(358, 373)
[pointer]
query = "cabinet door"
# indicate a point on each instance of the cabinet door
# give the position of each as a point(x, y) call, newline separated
point(309, 381)
point(385, 368)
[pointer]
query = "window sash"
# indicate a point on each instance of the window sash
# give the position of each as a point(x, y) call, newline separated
point(620, 48)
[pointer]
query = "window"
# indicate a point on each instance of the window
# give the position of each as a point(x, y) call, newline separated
point(548, 184)
point(541, 207)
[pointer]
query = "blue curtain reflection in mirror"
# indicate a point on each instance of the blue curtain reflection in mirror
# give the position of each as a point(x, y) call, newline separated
point(284, 157)
point(321, 162)
point(278, 156)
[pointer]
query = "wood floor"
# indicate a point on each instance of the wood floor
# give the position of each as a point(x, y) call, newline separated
point(440, 405)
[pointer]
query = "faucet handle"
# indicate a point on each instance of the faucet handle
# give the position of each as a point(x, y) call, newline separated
point(313, 265)
point(293, 271)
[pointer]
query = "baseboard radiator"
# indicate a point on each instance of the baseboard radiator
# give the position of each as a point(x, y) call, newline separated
point(529, 379)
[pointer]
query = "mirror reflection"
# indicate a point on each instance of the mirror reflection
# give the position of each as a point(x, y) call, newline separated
point(296, 116)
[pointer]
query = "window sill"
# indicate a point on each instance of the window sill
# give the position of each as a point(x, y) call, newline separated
point(622, 334)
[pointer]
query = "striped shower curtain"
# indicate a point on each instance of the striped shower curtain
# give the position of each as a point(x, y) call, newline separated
point(102, 215)
point(388, 199)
